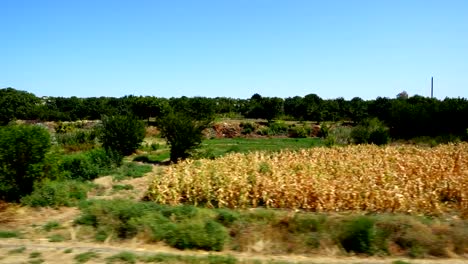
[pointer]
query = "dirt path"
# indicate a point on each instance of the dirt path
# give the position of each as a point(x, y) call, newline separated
point(56, 253)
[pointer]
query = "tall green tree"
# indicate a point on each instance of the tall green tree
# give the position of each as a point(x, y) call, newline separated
point(17, 104)
point(183, 131)
point(121, 135)
point(23, 149)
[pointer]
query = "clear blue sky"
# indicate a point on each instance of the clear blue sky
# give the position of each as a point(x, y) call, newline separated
point(234, 48)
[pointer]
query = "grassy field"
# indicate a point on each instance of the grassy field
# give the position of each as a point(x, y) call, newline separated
point(222, 146)
point(218, 147)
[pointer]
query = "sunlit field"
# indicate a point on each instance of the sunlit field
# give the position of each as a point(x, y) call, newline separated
point(405, 179)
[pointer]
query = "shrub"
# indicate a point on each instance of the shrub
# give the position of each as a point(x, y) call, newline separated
point(87, 165)
point(78, 167)
point(17, 250)
point(278, 128)
point(131, 170)
point(56, 238)
point(77, 140)
point(206, 235)
point(121, 135)
point(23, 149)
point(180, 226)
point(57, 193)
point(247, 127)
point(324, 131)
point(103, 159)
point(123, 257)
point(340, 135)
point(304, 223)
point(85, 257)
point(358, 235)
point(299, 132)
point(9, 234)
point(51, 225)
point(371, 131)
point(226, 216)
point(35, 254)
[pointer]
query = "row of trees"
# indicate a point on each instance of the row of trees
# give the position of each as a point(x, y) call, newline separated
point(406, 116)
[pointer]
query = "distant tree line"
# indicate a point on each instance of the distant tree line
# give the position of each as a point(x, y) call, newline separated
point(406, 116)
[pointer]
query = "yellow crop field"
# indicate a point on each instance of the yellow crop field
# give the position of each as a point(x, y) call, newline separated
point(406, 179)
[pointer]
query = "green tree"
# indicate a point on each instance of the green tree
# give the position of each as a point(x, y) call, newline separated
point(371, 131)
point(182, 131)
point(272, 108)
point(357, 109)
point(312, 107)
point(121, 135)
point(16, 104)
point(23, 149)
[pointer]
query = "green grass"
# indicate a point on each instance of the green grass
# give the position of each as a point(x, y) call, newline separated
point(121, 187)
point(180, 259)
point(190, 227)
point(51, 225)
point(123, 257)
point(56, 238)
point(35, 254)
point(156, 158)
point(131, 170)
point(85, 257)
point(8, 234)
point(57, 193)
point(213, 148)
point(219, 147)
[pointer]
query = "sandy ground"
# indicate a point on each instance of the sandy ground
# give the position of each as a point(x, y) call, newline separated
point(56, 253)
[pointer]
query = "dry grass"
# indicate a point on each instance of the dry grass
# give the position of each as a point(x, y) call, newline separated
point(406, 179)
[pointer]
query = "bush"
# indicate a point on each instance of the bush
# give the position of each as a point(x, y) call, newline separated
point(340, 135)
point(87, 165)
point(358, 235)
point(299, 132)
point(278, 128)
point(324, 131)
point(85, 257)
point(77, 140)
point(305, 223)
point(180, 226)
point(57, 193)
point(123, 257)
point(78, 167)
point(227, 217)
point(121, 135)
point(9, 234)
point(206, 235)
point(51, 225)
point(247, 127)
point(23, 149)
point(371, 131)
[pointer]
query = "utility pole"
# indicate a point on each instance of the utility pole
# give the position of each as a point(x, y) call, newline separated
point(432, 87)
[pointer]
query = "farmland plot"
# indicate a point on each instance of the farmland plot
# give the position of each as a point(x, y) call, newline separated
point(405, 179)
